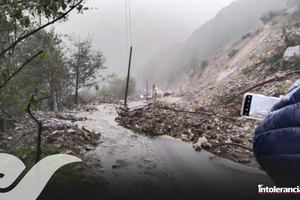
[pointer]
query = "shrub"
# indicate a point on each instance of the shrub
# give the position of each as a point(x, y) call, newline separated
point(204, 64)
point(265, 18)
point(232, 53)
point(117, 88)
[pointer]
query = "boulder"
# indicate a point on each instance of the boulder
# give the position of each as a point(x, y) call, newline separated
point(184, 137)
point(206, 145)
point(291, 51)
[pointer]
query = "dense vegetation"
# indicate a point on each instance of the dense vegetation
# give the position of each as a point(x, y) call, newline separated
point(117, 88)
point(34, 61)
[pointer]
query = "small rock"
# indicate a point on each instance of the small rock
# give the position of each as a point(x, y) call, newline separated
point(202, 140)
point(72, 131)
point(88, 129)
point(236, 140)
point(149, 160)
point(88, 148)
point(199, 132)
point(197, 147)
point(184, 137)
point(244, 161)
point(206, 145)
point(213, 136)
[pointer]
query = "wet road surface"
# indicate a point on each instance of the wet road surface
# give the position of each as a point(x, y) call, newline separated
point(139, 167)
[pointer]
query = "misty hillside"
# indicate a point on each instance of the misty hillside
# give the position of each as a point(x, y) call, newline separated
point(256, 63)
point(229, 25)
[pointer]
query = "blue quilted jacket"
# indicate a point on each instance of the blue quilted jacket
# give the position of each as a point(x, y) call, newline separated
point(276, 143)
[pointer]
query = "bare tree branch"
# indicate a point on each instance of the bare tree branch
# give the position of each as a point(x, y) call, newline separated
point(269, 81)
point(39, 151)
point(38, 29)
point(16, 72)
point(39, 140)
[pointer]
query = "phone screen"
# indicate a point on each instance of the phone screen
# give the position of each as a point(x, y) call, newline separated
point(257, 106)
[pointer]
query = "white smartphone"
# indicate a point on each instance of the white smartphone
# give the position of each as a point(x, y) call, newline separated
point(257, 106)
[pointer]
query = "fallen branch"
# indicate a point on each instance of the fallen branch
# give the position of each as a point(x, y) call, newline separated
point(277, 77)
point(186, 111)
point(208, 113)
point(121, 110)
point(139, 107)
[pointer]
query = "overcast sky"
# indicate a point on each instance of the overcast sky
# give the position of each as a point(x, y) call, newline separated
point(155, 24)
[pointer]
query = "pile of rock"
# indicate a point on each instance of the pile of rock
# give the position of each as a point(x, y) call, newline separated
point(62, 116)
point(221, 135)
point(57, 136)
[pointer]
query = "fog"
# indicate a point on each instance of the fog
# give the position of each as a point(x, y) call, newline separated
point(155, 24)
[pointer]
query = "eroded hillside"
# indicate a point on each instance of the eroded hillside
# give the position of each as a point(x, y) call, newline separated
point(256, 58)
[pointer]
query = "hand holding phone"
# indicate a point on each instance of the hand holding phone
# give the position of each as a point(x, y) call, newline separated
point(257, 106)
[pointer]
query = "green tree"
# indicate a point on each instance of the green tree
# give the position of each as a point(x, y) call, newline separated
point(117, 87)
point(55, 73)
point(85, 63)
point(20, 19)
point(49, 73)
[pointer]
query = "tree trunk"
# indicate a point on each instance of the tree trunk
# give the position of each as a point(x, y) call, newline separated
point(2, 129)
point(51, 103)
point(77, 76)
point(57, 102)
point(76, 87)
point(39, 139)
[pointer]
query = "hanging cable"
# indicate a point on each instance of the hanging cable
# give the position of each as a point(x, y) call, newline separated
point(129, 10)
point(137, 66)
point(126, 12)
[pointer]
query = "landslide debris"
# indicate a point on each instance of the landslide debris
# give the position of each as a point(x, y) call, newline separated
point(224, 136)
point(59, 135)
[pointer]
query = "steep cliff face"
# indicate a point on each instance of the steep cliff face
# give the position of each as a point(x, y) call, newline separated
point(228, 26)
point(254, 59)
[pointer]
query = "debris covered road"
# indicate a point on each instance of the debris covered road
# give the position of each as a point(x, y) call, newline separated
point(139, 167)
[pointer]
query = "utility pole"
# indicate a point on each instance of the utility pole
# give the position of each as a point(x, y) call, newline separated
point(128, 74)
point(146, 89)
point(153, 90)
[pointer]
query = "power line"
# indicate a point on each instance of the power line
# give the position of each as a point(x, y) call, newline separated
point(137, 66)
point(126, 25)
point(130, 23)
